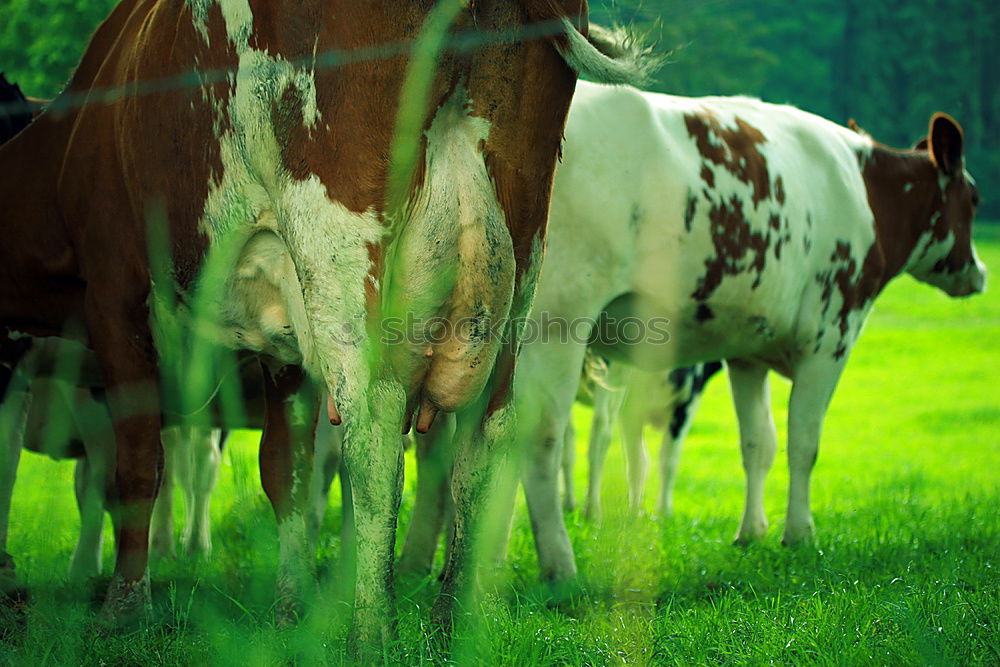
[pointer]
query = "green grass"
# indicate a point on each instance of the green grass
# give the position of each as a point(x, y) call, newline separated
point(903, 571)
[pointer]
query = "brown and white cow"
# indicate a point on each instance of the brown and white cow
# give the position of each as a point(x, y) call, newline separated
point(273, 169)
point(739, 230)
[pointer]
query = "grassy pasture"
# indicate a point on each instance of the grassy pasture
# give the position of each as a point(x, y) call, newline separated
point(904, 569)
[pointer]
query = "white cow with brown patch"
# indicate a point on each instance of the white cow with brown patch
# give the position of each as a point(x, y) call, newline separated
point(762, 233)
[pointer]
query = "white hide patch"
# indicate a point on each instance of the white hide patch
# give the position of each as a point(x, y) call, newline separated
point(330, 244)
point(236, 13)
point(529, 287)
point(304, 258)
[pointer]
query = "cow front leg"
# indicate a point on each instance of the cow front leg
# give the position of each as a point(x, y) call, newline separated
point(373, 456)
point(434, 460)
point(682, 410)
point(94, 427)
point(813, 383)
point(608, 401)
point(292, 407)
point(118, 326)
point(758, 441)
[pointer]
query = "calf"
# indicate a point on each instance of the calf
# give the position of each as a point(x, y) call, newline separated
point(282, 177)
point(737, 230)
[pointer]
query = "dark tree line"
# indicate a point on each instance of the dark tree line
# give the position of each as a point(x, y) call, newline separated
point(889, 64)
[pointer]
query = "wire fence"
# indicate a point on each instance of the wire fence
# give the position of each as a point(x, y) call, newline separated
point(459, 42)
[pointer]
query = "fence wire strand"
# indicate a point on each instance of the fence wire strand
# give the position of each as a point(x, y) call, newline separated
point(462, 42)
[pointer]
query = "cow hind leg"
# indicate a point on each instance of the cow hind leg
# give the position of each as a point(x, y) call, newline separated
point(373, 455)
point(118, 326)
point(758, 441)
point(434, 460)
point(478, 484)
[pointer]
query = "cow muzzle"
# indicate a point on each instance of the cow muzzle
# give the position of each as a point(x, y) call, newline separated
point(969, 282)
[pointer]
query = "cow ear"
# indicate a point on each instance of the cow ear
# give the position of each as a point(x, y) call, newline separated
point(945, 144)
point(921, 145)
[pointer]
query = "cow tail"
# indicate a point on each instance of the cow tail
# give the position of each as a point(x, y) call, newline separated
point(604, 55)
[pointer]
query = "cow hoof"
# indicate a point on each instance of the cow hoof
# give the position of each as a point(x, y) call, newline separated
point(798, 533)
point(370, 633)
point(196, 549)
point(162, 548)
point(563, 592)
point(750, 532)
point(443, 613)
point(750, 537)
point(794, 541)
point(288, 611)
point(127, 603)
point(11, 591)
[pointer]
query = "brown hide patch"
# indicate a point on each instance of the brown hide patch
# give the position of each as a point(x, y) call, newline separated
point(779, 191)
point(735, 150)
point(708, 176)
point(285, 28)
point(523, 88)
point(210, 103)
point(738, 248)
point(289, 130)
point(692, 206)
point(856, 290)
point(901, 217)
point(216, 59)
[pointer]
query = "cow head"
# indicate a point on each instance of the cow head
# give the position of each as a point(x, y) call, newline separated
point(948, 258)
